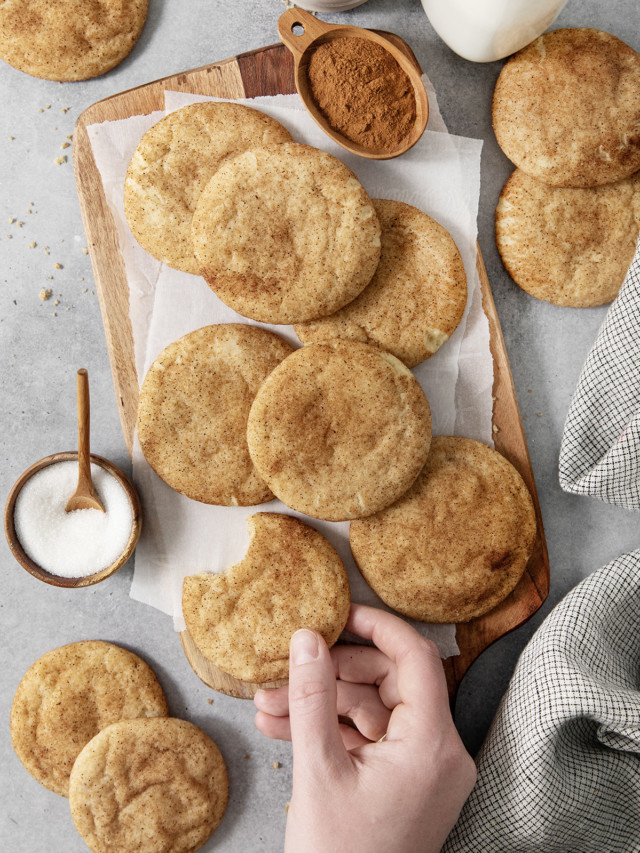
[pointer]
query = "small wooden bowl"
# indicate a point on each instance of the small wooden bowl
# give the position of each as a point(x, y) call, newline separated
point(314, 33)
point(37, 571)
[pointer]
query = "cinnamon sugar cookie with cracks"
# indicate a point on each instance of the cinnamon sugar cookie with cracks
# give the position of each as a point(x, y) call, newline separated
point(172, 164)
point(457, 543)
point(566, 108)
point(566, 245)
point(193, 409)
point(416, 297)
point(286, 233)
point(339, 430)
point(243, 619)
point(148, 786)
point(68, 695)
point(69, 39)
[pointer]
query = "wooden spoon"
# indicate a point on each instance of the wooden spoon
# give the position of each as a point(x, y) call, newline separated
point(302, 33)
point(85, 495)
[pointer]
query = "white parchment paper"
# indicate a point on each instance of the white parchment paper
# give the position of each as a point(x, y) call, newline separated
point(440, 175)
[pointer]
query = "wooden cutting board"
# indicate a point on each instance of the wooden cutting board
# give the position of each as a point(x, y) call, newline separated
point(269, 71)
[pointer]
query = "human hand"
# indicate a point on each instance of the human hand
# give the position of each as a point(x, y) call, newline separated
point(352, 793)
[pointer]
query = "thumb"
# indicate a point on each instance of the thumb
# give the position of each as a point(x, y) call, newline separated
point(313, 711)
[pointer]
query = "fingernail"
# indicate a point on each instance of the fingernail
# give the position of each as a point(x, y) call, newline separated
point(304, 647)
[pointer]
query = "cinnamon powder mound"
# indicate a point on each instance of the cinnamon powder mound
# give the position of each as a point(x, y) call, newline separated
point(362, 92)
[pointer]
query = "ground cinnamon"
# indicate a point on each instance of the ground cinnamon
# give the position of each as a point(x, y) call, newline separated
point(362, 92)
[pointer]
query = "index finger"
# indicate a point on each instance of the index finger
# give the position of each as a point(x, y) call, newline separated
point(421, 682)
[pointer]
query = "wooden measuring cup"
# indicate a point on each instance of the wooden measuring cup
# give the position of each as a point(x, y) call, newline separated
point(302, 33)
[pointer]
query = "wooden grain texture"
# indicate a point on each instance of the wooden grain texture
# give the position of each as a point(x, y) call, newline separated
point(270, 71)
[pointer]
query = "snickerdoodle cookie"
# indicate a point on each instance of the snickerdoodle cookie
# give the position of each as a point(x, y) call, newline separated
point(69, 39)
point(193, 409)
point(416, 297)
point(149, 786)
point(339, 430)
point(286, 233)
point(173, 163)
point(68, 695)
point(290, 578)
point(568, 246)
point(566, 108)
point(457, 543)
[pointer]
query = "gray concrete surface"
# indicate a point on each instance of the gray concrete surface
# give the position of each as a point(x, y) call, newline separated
point(40, 354)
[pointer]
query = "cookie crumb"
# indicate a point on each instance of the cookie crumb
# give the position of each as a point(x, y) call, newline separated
point(11, 138)
point(45, 293)
point(209, 701)
point(65, 109)
point(495, 428)
point(60, 160)
point(20, 223)
point(12, 219)
point(538, 414)
point(57, 266)
point(85, 251)
point(9, 236)
point(246, 755)
point(32, 245)
point(53, 314)
point(85, 289)
point(47, 106)
point(276, 765)
point(57, 302)
point(64, 145)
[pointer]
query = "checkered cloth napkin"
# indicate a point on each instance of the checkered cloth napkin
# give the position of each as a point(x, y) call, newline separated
point(560, 769)
point(600, 453)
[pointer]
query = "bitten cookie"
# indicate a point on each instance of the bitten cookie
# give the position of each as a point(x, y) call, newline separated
point(148, 786)
point(69, 39)
point(193, 409)
point(568, 246)
point(172, 165)
point(339, 430)
point(566, 108)
point(291, 577)
point(416, 297)
point(457, 543)
point(68, 695)
point(286, 233)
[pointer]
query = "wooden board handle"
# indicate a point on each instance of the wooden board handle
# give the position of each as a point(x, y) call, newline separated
point(311, 26)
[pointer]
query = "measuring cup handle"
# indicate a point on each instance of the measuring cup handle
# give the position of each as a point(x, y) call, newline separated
point(312, 28)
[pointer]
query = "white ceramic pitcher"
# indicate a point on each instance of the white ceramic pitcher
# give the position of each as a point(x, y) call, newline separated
point(486, 30)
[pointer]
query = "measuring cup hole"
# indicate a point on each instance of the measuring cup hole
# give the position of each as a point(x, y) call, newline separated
point(297, 29)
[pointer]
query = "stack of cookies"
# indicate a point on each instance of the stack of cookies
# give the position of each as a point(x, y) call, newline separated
point(89, 721)
point(566, 111)
point(338, 430)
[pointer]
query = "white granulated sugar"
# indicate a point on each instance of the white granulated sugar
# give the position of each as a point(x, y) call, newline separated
point(78, 543)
